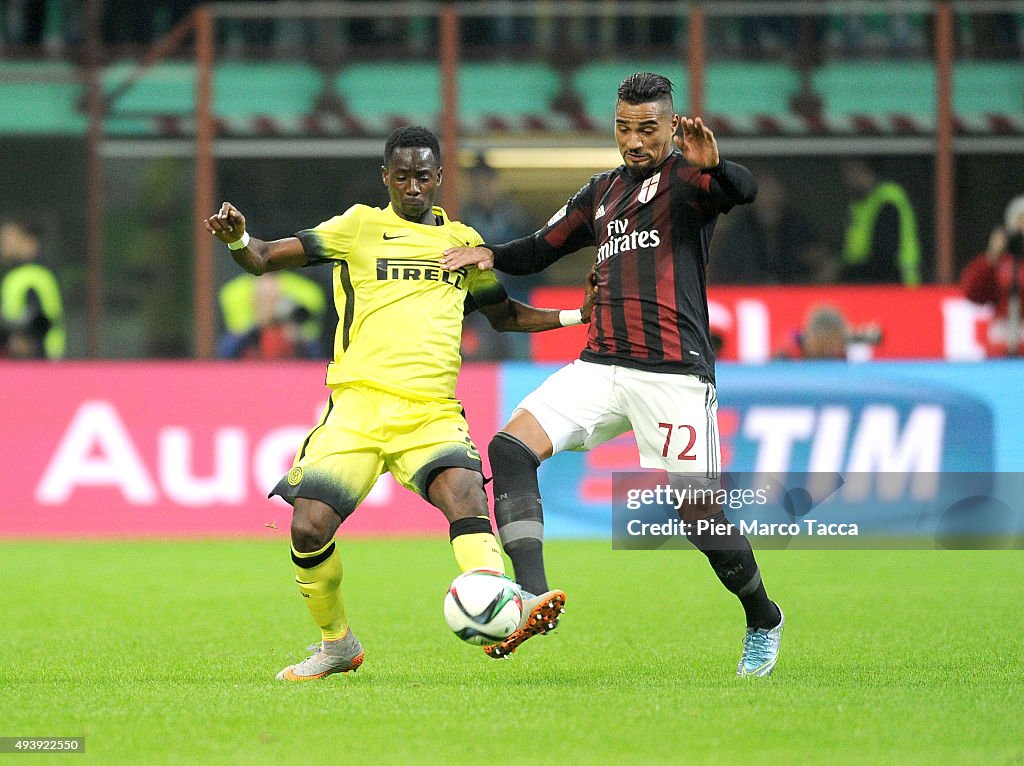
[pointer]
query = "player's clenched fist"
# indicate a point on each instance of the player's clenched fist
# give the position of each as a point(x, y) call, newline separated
point(227, 225)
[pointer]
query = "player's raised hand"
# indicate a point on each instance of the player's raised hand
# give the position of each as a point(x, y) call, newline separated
point(458, 257)
point(697, 143)
point(227, 224)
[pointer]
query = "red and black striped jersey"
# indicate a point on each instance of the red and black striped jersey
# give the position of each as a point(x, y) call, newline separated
point(652, 234)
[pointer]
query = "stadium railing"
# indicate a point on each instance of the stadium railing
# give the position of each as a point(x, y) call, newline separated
point(494, 72)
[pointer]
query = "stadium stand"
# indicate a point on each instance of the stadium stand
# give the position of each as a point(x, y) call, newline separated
point(989, 96)
point(247, 98)
point(493, 97)
point(855, 102)
point(40, 98)
point(282, 98)
point(510, 96)
point(381, 98)
point(749, 97)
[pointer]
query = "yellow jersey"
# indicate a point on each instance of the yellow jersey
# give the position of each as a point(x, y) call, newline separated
point(399, 313)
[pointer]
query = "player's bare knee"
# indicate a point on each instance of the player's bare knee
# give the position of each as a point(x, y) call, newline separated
point(313, 525)
point(459, 493)
point(524, 428)
point(307, 536)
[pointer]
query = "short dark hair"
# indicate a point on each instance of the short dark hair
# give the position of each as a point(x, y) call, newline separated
point(645, 87)
point(416, 137)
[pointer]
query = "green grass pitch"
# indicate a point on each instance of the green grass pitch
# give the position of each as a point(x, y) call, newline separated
point(165, 653)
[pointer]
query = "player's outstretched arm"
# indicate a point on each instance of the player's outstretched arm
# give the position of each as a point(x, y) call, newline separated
point(459, 257)
point(513, 316)
point(254, 255)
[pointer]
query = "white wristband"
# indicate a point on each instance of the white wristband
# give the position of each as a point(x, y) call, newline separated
point(567, 317)
point(239, 243)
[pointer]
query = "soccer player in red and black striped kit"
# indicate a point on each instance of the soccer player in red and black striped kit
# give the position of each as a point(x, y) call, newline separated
point(648, 365)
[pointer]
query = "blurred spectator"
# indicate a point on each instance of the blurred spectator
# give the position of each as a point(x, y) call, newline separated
point(500, 29)
point(882, 243)
point(606, 33)
point(145, 22)
point(882, 32)
point(31, 308)
point(995, 35)
point(768, 33)
point(52, 24)
point(23, 21)
point(823, 336)
point(643, 31)
point(489, 210)
point(770, 242)
point(827, 335)
point(276, 316)
point(996, 278)
point(498, 218)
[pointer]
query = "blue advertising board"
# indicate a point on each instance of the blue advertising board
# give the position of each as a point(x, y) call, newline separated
point(908, 441)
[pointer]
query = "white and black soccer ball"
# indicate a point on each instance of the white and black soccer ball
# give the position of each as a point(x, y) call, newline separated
point(483, 606)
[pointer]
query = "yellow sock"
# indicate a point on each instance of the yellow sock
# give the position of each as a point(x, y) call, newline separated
point(318, 575)
point(476, 549)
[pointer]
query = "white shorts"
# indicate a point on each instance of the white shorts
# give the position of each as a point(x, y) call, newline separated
point(673, 417)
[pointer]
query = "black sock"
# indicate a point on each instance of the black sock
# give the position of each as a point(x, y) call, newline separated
point(528, 563)
point(518, 510)
point(733, 560)
point(761, 611)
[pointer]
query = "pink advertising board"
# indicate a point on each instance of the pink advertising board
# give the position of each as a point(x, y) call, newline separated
point(169, 449)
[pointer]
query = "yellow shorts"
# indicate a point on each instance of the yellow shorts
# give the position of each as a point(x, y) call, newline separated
point(363, 433)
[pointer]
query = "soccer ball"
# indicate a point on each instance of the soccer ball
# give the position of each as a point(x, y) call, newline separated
point(483, 606)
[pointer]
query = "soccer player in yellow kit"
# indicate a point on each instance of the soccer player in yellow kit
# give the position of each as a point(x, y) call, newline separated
point(392, 380)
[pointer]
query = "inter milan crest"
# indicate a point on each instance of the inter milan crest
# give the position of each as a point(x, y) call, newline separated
point(648, 189)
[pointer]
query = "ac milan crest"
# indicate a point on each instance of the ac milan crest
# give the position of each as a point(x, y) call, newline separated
point(648, 189)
